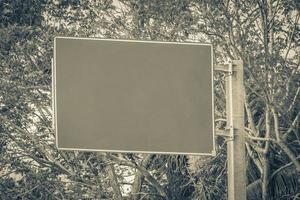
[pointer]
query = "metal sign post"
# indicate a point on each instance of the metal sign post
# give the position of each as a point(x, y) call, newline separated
point(234, 131)
point(235, 120)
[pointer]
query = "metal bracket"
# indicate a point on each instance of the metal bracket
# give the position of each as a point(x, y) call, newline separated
point(227, 67)
point(213, 153)
point(226, 133)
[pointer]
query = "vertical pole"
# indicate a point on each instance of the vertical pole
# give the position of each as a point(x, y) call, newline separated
point(235, 122)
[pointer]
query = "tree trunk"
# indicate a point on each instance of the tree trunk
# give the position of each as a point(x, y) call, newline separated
point(114, 182)
point(266, 162)
point(265, 178)
point(139, 178)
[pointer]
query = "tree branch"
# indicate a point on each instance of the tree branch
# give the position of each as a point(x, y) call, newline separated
point(143, 170)
point(283, 146)
point(114, 182)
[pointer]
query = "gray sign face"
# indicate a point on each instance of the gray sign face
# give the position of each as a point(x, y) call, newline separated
point(133, 96)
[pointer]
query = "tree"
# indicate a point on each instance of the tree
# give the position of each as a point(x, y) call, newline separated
point(262, 33)
point(33, 168)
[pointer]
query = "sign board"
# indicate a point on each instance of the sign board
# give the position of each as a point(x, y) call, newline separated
point(133, 96)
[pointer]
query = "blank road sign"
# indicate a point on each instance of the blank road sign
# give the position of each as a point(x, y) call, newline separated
point(133, 96)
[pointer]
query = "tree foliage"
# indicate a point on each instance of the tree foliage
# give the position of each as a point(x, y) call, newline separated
point(264, 34)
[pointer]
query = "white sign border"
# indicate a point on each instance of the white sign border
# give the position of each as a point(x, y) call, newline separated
point(54, 106)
